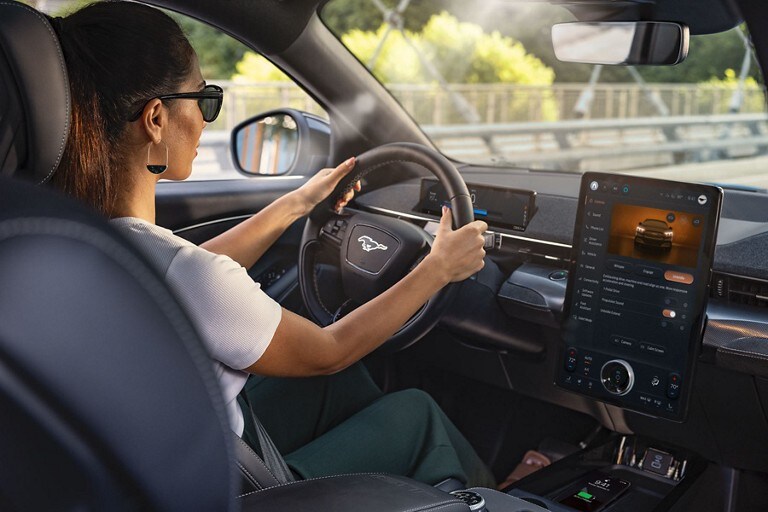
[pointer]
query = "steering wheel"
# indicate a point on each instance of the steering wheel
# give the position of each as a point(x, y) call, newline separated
point(375, 251)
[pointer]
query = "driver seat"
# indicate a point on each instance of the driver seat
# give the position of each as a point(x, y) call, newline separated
point(108, 398)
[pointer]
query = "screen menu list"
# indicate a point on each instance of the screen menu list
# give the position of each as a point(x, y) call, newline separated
point(638, 285)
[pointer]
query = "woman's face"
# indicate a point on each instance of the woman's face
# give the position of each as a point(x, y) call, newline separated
point(184, 128)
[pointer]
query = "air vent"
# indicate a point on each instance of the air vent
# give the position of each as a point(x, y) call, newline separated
point(740, 290)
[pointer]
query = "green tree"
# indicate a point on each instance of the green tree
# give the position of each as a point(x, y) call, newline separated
point(460, 52)
point(709, 56)
point(253, 67)
point(217, 52)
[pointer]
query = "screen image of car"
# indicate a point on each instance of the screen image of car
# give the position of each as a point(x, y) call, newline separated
point(666, 236)
point(654, 233)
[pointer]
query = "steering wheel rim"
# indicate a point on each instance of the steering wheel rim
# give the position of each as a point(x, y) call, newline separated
point(324, 227)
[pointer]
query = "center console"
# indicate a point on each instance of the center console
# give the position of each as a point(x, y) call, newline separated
point(636, 296)
point(620, 473)
point(616, 473)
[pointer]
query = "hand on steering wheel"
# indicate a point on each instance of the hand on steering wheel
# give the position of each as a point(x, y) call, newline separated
point(322, 185)
point(375, 251)
point(458, 254)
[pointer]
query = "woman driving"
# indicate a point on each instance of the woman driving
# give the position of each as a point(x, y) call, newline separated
point(139, 105)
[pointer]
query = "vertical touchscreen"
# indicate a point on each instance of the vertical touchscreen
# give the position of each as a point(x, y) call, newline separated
point(642, 259)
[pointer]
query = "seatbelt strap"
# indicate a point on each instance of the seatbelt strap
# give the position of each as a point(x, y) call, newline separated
point(269, 452)
point(252, 468)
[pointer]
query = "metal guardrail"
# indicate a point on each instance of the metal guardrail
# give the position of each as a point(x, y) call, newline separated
point(597, 144)
point(504, 103)
point(568, 144)
point(576, 125)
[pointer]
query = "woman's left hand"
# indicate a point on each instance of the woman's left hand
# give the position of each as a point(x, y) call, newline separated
point(323, 183)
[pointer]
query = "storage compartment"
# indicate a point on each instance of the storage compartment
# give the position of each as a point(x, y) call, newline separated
point(534, 293)
point(625, 473)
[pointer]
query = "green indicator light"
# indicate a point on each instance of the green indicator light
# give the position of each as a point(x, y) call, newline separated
point(585, 495)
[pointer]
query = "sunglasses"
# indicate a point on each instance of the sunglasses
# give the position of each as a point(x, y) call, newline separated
point(209, 100)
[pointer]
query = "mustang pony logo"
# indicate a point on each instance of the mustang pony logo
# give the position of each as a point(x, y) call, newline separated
point(369, 244)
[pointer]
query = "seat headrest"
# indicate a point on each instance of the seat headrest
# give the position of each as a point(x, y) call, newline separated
point(35, 104)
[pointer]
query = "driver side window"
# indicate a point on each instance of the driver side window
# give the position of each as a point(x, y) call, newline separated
point(251, 84)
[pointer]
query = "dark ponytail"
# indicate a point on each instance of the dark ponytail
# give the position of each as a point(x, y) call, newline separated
point(119, 55)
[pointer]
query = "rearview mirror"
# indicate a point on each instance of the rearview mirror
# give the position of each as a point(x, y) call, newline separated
point(621, 42)
point(280, 142)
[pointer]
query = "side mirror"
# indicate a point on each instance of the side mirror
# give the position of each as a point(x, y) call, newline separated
point(281, 142)
point(621, 42)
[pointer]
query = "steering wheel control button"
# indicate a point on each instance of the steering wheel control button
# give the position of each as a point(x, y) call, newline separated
point(673, 386)
point(370, 249)
point(617, 377)
point(333, 230)
point(471, 498)
point(570, 359)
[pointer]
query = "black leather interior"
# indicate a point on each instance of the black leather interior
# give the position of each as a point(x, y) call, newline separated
point(739, 345)
point(31, 67)
point(108, 398)
point(99, 357)
point(354, 493)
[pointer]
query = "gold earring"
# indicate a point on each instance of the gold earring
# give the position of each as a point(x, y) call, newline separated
point(157, 169)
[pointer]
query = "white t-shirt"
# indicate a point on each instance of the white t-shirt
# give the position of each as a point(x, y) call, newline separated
point(234, 317)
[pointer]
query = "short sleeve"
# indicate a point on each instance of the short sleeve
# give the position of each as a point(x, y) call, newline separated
point(235, 318)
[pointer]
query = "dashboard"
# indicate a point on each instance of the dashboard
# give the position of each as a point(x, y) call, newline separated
point(498, 206)
point(511, 320)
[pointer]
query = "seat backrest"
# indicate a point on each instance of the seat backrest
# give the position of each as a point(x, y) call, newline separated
point(107, 398)
point(34, 95)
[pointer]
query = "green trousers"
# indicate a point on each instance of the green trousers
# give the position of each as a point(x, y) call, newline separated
point(344, 424)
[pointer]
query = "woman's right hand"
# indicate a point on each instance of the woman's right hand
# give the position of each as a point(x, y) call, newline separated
point(457, 254)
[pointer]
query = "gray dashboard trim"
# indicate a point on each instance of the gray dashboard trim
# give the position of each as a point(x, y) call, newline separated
point(735, 230)
point(428, 219)
point(213, 222)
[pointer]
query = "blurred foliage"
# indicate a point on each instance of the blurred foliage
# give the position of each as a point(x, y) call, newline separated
point(530, 24)
point(255, 68)
point(217, 52)
point(70, 7)
point(710, 56)
point(527, 22)
point(460, 52)
point(749, 100)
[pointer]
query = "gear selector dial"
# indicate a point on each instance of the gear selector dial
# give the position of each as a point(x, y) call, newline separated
point(617, 377)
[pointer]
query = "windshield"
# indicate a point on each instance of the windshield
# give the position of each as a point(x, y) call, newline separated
point(482, 81)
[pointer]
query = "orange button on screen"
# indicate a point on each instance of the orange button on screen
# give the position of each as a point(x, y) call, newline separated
point(678, 277)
